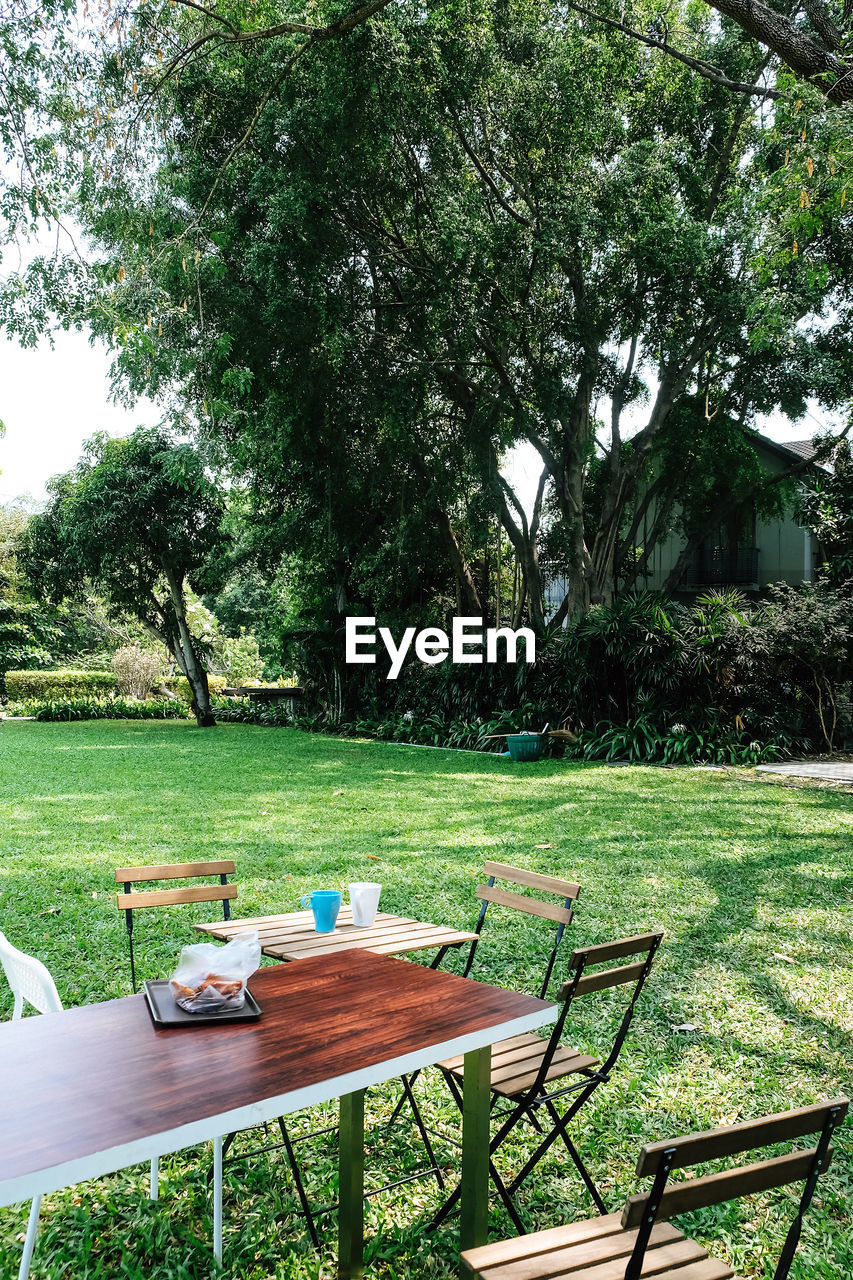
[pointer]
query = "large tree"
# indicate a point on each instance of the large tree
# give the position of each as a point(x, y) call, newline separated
point(459, 231)
point(140, 520)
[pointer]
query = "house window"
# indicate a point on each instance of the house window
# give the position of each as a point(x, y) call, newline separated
point(729, 556)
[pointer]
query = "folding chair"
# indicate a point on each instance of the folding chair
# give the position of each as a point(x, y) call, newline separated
point(132, 900)
point(640, 1241)
point(31, 983)
point(561, 913)
point(525, 1068)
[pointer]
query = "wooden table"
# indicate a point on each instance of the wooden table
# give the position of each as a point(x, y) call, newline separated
point(96, 1088)
point(293, 937)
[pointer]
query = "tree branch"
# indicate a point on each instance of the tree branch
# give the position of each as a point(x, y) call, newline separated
point(698, 65)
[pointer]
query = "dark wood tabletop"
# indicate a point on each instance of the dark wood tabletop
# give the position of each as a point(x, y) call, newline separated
point(96, 1087)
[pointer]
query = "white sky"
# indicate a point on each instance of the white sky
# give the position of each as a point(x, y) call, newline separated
point(51, 400)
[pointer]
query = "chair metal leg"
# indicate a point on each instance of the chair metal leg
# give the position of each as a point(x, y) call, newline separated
point(297, 1181)
point(30, 1241)
point(154, 1190)
point(422, 1130)
point(217, 1200)
point(560, 1131)
point(402, 1099)
point(507, 1199)
point(584, 1173)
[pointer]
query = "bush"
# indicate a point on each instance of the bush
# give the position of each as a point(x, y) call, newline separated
point(27, 636)
point(180, 686)
point(48, 686)
point(100, 709)
point(136, 670)
point(239, 658)
point(640, 741)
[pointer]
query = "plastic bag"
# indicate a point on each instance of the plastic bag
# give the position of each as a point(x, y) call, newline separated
point(211, 979)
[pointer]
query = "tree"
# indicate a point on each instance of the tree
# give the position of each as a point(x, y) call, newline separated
point(140, 519)
point(826, 508)
point(458, 232)
point(812, 40)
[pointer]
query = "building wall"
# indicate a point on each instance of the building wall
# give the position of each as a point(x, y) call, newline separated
point(785, 550)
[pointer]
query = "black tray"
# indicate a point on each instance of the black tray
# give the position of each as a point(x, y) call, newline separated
point(165, 1013)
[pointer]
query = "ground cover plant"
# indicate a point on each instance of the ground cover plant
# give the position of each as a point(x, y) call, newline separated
point(752, 882)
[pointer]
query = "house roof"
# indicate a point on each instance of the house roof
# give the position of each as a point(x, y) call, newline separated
point(802, 448)
point(792, 450)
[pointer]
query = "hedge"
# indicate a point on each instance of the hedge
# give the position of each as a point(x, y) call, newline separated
point(47, 686)
point(101, 709)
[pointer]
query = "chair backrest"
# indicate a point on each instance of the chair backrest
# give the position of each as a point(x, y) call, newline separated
point(559, 912)
point(135, 899)
point(657, 1159)
point(587, 977)
point(29, 980)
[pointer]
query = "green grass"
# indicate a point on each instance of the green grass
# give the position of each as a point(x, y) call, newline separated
point(752, 881)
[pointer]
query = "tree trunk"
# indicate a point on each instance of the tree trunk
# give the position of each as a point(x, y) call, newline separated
point(185, 655)
point(466, 589)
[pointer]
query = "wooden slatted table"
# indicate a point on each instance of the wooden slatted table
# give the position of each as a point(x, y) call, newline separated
point(96, 1088)
point(293, 937)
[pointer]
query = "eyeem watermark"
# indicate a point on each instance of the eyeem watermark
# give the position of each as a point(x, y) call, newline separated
point(432, 645)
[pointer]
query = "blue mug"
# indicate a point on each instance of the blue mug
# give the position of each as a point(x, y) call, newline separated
point(325, 903)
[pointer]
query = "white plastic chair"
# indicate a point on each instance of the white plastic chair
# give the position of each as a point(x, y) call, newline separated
point(31, 982)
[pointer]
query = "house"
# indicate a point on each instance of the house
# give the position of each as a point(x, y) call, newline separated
point(754, 553)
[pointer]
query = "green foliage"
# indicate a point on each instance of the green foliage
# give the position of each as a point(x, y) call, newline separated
point(127, 518)
point(442, 239)
point(640, 741)
point(826, 508)
point(181, 686)
point(63, 707)
point(141, 519)
point(28, 634)
point(51, 686)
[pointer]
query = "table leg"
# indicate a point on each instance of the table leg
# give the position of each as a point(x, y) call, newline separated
point(351, 1192)
point(474, 1227)
point(217, 1199)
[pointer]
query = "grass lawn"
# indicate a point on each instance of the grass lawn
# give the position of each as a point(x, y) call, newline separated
point(751, 880)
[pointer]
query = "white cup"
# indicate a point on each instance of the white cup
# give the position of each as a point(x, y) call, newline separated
point(364, 900)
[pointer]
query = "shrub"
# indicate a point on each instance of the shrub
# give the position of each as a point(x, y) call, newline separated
point(180, 685)
point(239, 658)
point(136, 670)
point(27, 636)
point(48, 686)
point(100, 709)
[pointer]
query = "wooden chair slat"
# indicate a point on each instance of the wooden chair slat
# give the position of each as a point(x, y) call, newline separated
point(606, 978)
point(605, 1232)
point(164, 897)
point(658, 1265)
point(529, 1063)
point(532, 879)
point(698, 1193)
point(530, 906)
point(730, 1140)
point(604, 1259)
point(517, 1085)
point(173, 871)
point(641, 942)
point(498, 1050)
